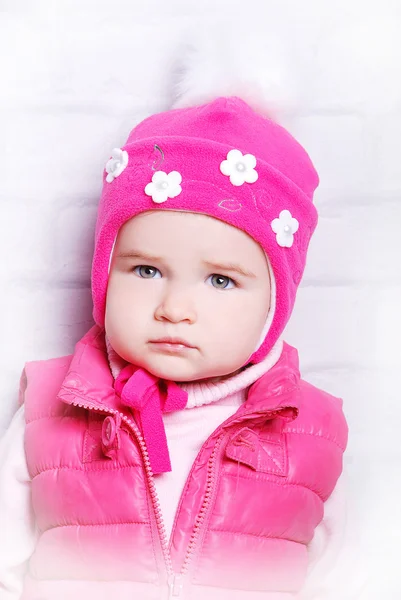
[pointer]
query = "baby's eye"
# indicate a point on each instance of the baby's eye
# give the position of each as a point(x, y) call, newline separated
point(222, 281)
point(147, 272)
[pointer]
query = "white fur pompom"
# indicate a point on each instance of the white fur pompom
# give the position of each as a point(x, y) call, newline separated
point(233, 58)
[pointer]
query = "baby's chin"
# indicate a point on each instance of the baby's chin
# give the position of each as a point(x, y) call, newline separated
point(176, 369)
point(170, 371)
point(186, 374)
point(177, 375)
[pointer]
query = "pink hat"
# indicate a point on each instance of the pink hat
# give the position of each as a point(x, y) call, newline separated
point(221, 159)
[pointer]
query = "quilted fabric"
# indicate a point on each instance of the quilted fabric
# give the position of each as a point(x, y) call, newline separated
point(249, 507)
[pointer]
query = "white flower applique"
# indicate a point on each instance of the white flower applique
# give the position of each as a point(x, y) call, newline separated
point(240, 168)
point(117, 163)
point(285, 227)
point(164, 186)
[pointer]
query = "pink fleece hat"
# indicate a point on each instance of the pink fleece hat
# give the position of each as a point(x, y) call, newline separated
point(221, 159)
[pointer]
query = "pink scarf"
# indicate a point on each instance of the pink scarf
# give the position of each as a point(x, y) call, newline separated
point(148, 396)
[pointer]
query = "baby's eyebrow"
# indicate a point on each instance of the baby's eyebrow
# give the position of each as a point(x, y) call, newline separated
point(134, 254)
point(218, 266)
point(230, 267)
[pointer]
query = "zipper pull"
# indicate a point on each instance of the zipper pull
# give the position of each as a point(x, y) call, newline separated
point(175, 584)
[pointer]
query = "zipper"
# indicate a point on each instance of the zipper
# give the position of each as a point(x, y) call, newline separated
point(174, 580)
point(205, 504)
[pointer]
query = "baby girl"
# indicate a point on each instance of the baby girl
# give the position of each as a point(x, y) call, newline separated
point(177, 453)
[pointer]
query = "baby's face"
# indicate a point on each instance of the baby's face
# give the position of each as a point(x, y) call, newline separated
point(168, 289)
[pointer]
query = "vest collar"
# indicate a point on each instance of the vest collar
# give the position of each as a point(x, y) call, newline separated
point(90, 382)
point(204, 392)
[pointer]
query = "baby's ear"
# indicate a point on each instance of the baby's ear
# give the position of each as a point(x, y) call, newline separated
point(231, 58)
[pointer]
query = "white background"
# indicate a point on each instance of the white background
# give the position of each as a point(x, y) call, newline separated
point(76, 76)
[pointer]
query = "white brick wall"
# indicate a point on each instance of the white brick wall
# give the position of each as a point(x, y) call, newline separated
point(76, 76)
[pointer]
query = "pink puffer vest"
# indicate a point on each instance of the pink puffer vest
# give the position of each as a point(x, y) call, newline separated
point(249, 507)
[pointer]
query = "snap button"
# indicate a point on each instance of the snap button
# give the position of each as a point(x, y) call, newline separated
point(244, 447)
point(111, 435)
point(108, 431)
point(242, 441)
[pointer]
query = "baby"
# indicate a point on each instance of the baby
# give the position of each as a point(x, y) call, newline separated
point(177, 453)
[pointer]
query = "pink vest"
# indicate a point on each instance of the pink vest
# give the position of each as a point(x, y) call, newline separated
point(251, 502)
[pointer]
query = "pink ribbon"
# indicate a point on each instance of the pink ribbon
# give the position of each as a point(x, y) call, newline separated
point(148, 396)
